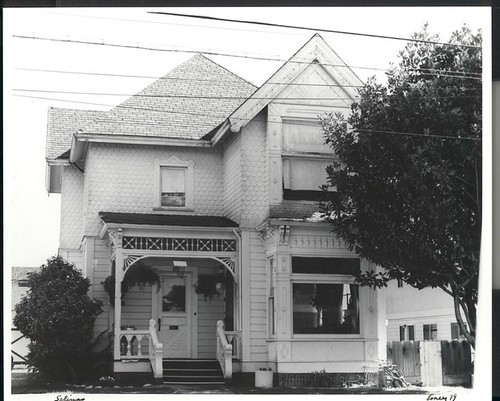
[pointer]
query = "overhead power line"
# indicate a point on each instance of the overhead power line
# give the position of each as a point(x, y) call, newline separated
point(206, 17)
point(166, 78)
point(444, 73)
point(431, 136)
point(215, 97)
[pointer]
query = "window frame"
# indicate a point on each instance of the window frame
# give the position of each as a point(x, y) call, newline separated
point(318, 278)
point(289, 153)
point(430, 331)
point(174, 163)
point(461, 335)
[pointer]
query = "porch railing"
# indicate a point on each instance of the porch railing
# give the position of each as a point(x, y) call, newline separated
point(155, 351)
point(143, 344)
point(224, 351)
point(233, 338)
point(134, 344)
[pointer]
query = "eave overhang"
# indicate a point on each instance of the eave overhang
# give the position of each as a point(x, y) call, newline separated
point(80, 142)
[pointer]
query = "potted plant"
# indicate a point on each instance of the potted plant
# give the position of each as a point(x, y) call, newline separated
point(210, 285)
point(136, 275)
point(264, 378)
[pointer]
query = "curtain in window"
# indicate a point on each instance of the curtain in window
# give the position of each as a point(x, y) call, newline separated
point(173, 180)
point(304, 174)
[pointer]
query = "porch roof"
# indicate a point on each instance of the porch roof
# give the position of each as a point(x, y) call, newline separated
point(166, 220)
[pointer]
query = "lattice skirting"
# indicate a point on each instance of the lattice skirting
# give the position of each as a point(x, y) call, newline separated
point(321, 379)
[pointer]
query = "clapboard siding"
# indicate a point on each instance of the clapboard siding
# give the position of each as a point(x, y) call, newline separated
point(102, 269)
point(137, 310)
point(208, 313)
point(258, 301)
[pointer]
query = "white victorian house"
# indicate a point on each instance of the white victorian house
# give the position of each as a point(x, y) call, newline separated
point(212, 184)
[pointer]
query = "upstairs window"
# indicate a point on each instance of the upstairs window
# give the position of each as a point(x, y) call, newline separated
point(305, 158)
point(174, 184)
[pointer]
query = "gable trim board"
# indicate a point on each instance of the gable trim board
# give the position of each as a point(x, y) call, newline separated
point(315, 51)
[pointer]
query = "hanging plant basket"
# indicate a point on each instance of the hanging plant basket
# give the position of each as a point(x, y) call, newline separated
point(210, 285)
point(135, 276)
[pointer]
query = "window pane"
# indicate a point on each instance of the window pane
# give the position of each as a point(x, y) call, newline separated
point(411, 333)
point(325, 308)
point(304, 174)
point(174, 294)
point(173, 186)
point(456, 333)
point(304, 136)
point(430, 332)
point(349, 266)
point(401, 333)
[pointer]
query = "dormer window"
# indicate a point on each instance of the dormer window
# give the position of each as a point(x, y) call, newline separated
point(174, 184)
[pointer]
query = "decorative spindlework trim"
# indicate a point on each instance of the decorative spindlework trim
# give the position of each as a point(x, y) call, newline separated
point(130, 260)
point(180, 244)
point(317, 242)
point(229, 263)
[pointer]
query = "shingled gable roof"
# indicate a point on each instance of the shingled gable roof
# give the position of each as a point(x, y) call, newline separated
point(61, 125)
point(316, 50)
point(187, 103)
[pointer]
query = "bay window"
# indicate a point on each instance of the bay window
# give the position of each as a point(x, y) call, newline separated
point(325, 297)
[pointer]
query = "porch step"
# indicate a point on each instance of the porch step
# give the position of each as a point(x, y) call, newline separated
point(192, 371)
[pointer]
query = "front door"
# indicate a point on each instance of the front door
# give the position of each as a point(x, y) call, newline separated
point(175, 309)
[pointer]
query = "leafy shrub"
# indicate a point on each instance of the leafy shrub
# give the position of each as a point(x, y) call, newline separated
point(58, 316)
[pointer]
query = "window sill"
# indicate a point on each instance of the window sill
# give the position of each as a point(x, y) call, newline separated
point(173, 209)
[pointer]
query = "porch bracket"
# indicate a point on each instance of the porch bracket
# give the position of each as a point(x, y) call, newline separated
point(229, 264)
point(130, 260)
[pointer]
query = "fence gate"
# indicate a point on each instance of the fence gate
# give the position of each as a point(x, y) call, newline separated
point(406, 355)
point(430, 360)
point(19, 348)
point(457, 364)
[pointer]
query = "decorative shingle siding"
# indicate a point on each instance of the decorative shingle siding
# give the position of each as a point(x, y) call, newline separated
point(232, 177)
point(71, 208)
point(254, 178)
point(121, 178)
point(189, 102)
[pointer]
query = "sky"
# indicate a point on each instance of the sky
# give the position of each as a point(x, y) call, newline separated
point(31, 217)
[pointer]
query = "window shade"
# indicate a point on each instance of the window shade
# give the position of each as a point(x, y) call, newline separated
point(173, 180)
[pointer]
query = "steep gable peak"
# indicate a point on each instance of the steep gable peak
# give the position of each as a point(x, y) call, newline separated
point(314, 52)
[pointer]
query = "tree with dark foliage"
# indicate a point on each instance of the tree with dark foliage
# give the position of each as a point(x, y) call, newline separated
point(408, 174)
point(58, 317)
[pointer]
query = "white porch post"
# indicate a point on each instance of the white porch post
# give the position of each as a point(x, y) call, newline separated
point(118, 295)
